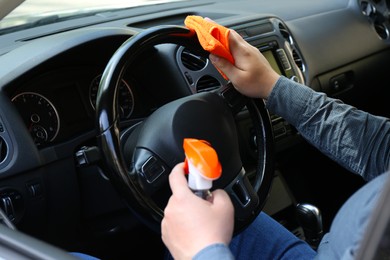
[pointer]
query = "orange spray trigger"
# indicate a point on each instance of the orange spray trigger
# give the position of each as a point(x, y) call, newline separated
point(202, 165)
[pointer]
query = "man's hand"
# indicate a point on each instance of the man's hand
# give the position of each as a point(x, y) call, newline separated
point(191, 223)
point(251, 74)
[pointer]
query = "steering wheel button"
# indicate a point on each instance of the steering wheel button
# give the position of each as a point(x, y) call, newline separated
point(152, 169)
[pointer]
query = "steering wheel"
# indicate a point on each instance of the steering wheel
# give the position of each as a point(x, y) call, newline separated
point(138, 161)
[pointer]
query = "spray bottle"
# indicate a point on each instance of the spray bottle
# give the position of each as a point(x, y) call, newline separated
point(202, 166)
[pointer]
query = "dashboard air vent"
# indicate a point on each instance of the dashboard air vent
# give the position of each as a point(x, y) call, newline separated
point(193, 62)
point(377, 12)
point(298, 60)
point(294, 52)
point(207, 83)
point(381, 30)
point(285, 33)
point(3, 150)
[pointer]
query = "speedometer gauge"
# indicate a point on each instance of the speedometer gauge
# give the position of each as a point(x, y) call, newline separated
point(39, 115)
point(125, 97)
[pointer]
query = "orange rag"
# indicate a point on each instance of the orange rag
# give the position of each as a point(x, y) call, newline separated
point(213, 37)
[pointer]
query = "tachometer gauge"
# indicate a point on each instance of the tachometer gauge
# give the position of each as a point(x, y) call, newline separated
point(125, 97)
point(39, 115)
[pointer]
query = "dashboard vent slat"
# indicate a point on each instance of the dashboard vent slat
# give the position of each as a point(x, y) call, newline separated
point(298, 60)
point(193, 62)
point(207, 83)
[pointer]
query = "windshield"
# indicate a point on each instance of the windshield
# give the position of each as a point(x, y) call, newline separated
point(39, 12)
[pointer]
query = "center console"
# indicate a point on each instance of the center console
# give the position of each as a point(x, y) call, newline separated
point(274, 41)
point(272, 38)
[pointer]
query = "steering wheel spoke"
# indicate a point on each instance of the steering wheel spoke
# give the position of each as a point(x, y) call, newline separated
point(235, 100)
point(243, 195)
point(151, 171)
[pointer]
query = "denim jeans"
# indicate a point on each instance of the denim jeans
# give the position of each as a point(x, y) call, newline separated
point(265, 238)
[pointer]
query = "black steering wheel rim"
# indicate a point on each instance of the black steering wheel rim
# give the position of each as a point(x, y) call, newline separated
point(128, 183)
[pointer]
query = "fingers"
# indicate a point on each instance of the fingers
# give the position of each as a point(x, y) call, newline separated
point(237, 43)
point(224, 66)
point(177, 180)
point(235, 46)
point(221, 198)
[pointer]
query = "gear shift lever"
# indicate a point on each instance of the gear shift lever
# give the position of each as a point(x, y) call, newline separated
point(310, 219)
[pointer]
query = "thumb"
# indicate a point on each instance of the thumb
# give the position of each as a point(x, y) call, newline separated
point(223, 65)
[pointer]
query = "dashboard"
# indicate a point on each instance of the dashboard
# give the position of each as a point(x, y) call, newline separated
point(60, 103)
point(50, 76)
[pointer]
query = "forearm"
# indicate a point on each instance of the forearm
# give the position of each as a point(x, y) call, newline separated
point(355, 139)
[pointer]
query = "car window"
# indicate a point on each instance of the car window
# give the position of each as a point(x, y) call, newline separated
point(39, 12)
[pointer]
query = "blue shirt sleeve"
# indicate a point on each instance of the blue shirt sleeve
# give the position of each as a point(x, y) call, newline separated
point(355, 139)
point(215, 251)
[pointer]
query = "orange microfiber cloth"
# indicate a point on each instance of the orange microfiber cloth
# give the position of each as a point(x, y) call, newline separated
point(213, 37)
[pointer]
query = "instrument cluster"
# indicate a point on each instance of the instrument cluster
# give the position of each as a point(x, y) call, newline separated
point(59, 105)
